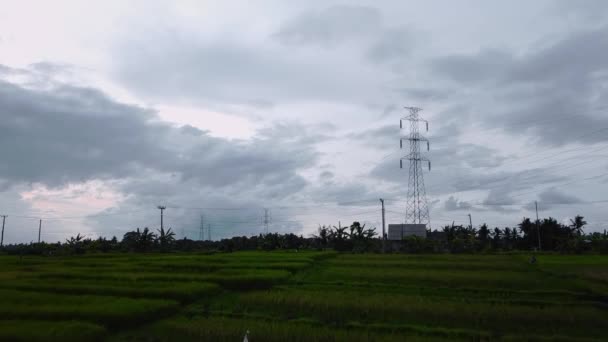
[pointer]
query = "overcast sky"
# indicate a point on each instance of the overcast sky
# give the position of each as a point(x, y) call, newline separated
point(111, 108)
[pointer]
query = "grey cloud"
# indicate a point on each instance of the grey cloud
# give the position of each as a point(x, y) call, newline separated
point(585, 11)
point(424, 94)
point(551, 197)
point(385, 137)
point(484, 66)
point(340, 24)
point(331, 26)
point(500, 200)
point(71, 134)
point(552, 95)
point(49, 68)
point(68, 135)
point(389, 110)
point(188, 69)
point(453, 204)
point(448, 176)
point(391, 44)
point(326, 176)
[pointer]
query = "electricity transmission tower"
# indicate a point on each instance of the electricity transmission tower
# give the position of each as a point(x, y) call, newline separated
point(266, 219)
point(417, 209)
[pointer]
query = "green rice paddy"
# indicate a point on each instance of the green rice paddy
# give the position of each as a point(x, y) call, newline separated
point(305, 296)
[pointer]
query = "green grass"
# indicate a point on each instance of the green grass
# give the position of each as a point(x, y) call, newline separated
point(305, 296)
point(113, 311)
point(233, 329)
point(43, 331)
point(184, 291)
point(342, 307)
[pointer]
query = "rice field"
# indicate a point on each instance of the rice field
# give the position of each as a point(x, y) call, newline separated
point(303, 296)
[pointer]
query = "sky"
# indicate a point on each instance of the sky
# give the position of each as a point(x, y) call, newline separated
point(223, 108)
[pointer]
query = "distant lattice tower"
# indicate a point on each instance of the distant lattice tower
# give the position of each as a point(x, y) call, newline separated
point(417, 209)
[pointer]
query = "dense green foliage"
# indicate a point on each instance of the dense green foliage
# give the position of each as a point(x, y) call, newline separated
point(303, 296)
point(546, 235)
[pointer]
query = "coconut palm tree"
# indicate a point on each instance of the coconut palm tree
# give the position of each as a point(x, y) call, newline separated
point(576, 225)
point(165, 238)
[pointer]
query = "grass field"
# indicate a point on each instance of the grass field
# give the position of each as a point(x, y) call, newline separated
point(305, 296)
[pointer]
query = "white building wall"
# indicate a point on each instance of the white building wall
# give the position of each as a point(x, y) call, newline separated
point(401, 231)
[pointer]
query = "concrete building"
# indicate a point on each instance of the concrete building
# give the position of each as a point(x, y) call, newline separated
point(398, 232)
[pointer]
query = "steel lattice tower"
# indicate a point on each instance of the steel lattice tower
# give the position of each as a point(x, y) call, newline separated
point(417, 209)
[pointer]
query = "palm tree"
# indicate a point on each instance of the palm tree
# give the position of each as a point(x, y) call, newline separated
point(139, 240)
point(357, 231)
point(165, 238)
point(75, 244)
point(369, 233)
point(74, 240)
point(322, 236)
point(483, 233)
point(576, 225)
point(496, 237)
point(339, 233)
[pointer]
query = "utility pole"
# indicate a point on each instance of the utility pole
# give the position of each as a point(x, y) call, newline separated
point(266, 219)
point(162, 208)
point(417, 209)
point(538, 226)
point(383, 228)
point(202, 233)
point(39, 230)
point(470, 221)
point(2, 238)
point(209, 231)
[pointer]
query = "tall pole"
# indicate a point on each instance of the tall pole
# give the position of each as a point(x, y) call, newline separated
point(538, 226)
point(2, 238)
point(39, 230)
point(470, 221)
point(162, 208)
point(202, 232)
point(383, 228)
point(266, 219)
point(209, 231)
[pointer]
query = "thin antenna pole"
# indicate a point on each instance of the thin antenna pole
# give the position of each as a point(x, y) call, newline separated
point(39, 229)
point(162, 208)
point(383, 228)
point(538, 226)
point(266, 219)
point(2, 238)
point(202, 232)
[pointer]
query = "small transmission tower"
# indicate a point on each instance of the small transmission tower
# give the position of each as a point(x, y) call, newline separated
point(417, 209)
point(266, 219)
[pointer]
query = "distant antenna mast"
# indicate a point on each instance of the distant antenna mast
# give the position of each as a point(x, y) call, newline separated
point(202, 229)
point(266, 219)
point(417, 209)
point(162, 209)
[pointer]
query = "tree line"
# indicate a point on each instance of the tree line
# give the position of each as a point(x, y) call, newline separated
point(547, 235)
